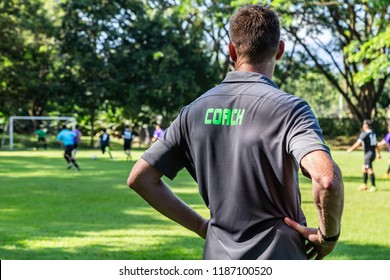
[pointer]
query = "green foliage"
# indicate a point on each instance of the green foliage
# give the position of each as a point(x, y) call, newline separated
point(27, 54)
point(145, 58)
point(348, 42)
point(374, 54)
point(105, 61)
point(306, 83)
point(333, 127)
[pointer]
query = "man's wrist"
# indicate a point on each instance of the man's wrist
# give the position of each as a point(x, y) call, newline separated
point(333, 238)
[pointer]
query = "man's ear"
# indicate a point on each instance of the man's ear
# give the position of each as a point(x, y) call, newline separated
point(280, 52)
point(232, 51)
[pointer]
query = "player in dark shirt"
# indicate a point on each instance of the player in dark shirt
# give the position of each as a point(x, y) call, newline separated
point(368, 139)
point(127, 136)
point(105, 143)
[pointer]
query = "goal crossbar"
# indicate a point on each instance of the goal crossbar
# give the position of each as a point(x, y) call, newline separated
point(12, 118)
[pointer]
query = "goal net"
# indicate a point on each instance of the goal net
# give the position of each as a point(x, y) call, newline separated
point(28, 125)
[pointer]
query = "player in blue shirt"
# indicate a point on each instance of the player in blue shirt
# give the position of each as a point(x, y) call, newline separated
point(66, 136)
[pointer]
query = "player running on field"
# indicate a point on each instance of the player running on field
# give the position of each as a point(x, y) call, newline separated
point(66, 136)
point(105, 143)
point(368, 138)
point(127, 136)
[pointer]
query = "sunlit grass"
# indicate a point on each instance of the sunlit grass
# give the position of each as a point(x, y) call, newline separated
point(49, 212)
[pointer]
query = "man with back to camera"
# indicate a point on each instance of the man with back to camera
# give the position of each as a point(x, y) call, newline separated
point(368, 139)
point(243, 142)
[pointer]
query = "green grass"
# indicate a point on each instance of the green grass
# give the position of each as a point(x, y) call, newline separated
point(48, 212)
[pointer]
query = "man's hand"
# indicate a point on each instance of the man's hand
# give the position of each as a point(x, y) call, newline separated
point(316, 247)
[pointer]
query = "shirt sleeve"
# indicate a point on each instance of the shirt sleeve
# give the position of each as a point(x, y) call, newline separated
point(362, 136)
point(166, 154)
point(387, 138)
point(305, 134)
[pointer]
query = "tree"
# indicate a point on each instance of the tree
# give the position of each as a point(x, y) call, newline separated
point(347, 39)
point(92, 33)
point(148, 57)
point(28, 52)
point(162, 60)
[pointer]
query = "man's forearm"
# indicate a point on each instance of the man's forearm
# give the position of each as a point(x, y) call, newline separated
point(329, 201)
point(161, 198)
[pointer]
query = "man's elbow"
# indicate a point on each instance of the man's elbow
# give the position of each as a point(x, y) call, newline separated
point(143, 176)
point(331, 180)
point(138, 178)
point(132, 181)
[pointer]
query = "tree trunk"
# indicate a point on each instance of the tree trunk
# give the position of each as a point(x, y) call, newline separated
point(92, 121)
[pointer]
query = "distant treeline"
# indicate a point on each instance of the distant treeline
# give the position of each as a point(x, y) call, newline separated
point(333, 127)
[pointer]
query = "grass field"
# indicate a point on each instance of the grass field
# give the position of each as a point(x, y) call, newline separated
point(48, 212)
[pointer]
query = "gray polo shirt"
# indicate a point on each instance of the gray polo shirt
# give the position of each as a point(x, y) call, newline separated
point(242, 142)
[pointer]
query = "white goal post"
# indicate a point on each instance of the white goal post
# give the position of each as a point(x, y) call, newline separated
point(72, 120)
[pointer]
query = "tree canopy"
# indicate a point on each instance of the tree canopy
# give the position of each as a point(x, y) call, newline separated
point(348, 42)
point(136, 59)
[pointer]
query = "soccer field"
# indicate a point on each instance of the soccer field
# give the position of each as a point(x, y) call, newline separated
point(49, 212)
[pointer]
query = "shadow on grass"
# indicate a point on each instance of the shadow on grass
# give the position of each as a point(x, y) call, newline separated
point(381, 183)
point(48, 212)
point(351, 251)
point(171, 248)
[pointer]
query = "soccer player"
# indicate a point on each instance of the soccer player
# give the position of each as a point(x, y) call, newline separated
point(127, 136)
point(66, 136)
point(76, 140)
point(41, 133)
point(368, 138)
point(243, 142)
point(385, 141)
point(158, 133)
point(105, 143)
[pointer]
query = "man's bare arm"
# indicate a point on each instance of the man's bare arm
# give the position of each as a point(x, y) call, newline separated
point(328, 195)
point(354, 146)
point(146, 181)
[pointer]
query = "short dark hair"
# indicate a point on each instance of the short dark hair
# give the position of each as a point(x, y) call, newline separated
point(368, 123)
point(255, 33)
